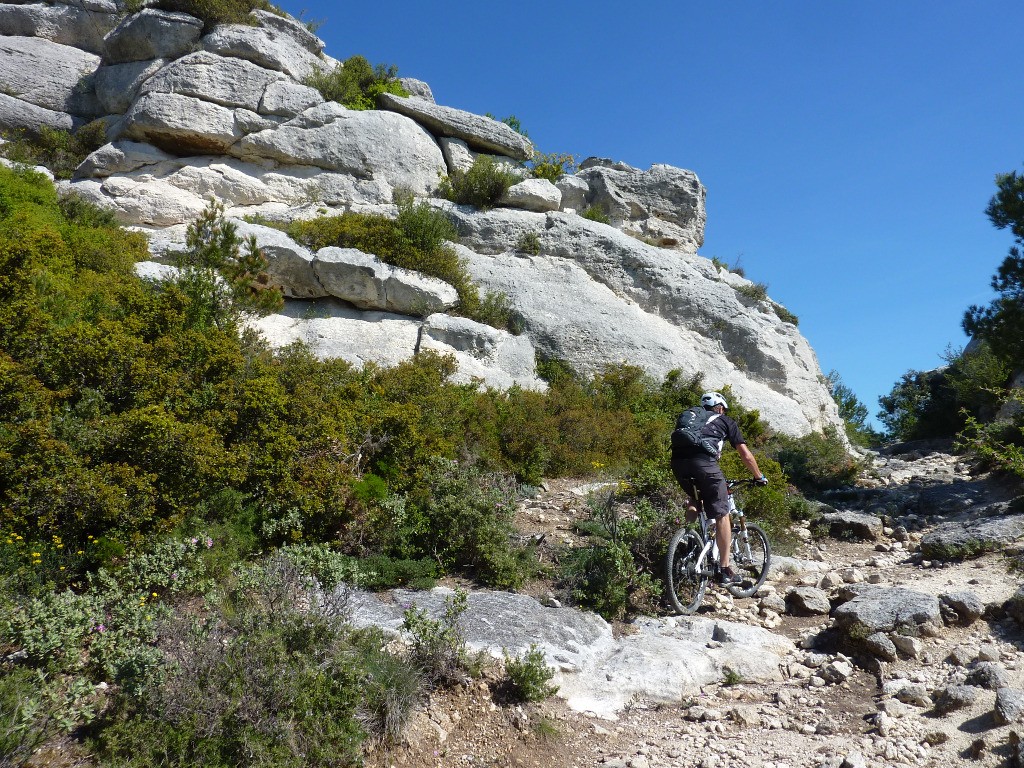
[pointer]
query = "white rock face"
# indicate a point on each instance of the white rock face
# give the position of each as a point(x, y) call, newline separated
point(272, 48)
point(225, 116)
point(369, 283)
point(663, 203)
point(151, 34)
point(656, 308)
point(368, 145)
point(49, 75)
point(65, 24)
point(533, 195)
point(117, 85)
point(481, 133)
point(224, 81)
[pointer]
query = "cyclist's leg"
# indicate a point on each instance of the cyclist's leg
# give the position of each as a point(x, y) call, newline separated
point(715, 495)
point(685, 476)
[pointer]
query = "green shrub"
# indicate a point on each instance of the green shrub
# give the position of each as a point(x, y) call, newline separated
point(59, 150)
point(753, 291)
point(356, 83)
point(785, 315)
point(512, 122)
point(212, 12)
point(999, 444)
point(551, 166)
point(528, 677)
point(463, 518)
point(439, 645)
point(529, 243)
point(815, 462)
point(481, 186)
point(595, 213)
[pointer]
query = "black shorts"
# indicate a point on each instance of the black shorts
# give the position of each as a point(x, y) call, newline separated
point(709, 481)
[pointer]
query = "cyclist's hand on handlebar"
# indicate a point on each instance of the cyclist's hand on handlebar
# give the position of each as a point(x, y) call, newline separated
point(762, 480)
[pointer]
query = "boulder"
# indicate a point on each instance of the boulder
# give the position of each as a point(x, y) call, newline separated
point(881, 645)
point(120, 158)
point(369, 283)
point(224, 81)
point(80, 27)
point(288, 99)
point(417, 88)
point(1009, 706)
point(459, 157)
point(533, 195)
point(1014, 606)
point(117, 85)
point(266, 46)
point(851, 525)
point(154, 271)
point(151, 34)
point(49, 75)
point(807, 601)
point(496, 357)
point(574, 193)
point(480, 133)
point(366, 144)
point(290, 265)
point(961, 607)
point(970, 537)
point(181, 125)
point(954, 697)
point(18, 115)
point(663, 203)
point(153, 204)
point(887, 609)
point(988, 675)
point(291, 28)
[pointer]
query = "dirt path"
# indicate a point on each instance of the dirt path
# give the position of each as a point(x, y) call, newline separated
point(876, 715)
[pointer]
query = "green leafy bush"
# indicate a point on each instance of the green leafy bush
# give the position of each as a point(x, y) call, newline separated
point(212, 12)
point(529, 243)
point(999, 444)
point(551, 166)
point(481, 186)
point(356, 83)
point(595, 213)
point(59, 150)
point(439, 645)
point(753, 291)
point(463, 518)
point(815, 462)
point(528, 677)
point(785, 315)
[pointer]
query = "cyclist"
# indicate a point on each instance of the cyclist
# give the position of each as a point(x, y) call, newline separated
point(698, 466)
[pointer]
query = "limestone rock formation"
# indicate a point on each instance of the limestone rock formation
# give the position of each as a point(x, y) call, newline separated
point(195, 111)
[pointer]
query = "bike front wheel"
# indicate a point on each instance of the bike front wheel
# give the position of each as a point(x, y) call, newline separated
point(685, 584)
point(751, 558)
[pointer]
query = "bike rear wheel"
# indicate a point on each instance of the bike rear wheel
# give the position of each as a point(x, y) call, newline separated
point(685, 585)
point(751, 558)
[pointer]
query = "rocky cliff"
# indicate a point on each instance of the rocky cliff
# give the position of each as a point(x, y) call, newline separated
point(192, 112)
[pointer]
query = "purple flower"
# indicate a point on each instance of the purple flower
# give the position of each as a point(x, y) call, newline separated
point(195, 540)
point(209, 542)
point(100, 628)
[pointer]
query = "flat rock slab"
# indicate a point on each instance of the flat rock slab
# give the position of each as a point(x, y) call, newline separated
point(663, 661)
point(884, 609)
point(963, 539)
point(851, 525)
point(482, 133)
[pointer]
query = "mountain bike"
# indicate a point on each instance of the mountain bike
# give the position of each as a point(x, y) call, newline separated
point(693, 557)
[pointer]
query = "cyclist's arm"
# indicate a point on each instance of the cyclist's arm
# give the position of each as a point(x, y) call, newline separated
point(749, 460)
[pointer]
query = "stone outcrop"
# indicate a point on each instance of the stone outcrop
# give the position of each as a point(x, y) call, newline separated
point(481, 133)
point(662, 203)
point(882, 609)
point(662, 660)
point(194, 111)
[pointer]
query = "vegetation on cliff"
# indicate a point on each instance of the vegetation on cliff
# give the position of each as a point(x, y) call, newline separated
point(172, 493)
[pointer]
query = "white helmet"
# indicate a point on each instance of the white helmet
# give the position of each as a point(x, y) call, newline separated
point(710, 399)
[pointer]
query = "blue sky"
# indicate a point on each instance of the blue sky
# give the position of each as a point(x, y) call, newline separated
point(848, 148)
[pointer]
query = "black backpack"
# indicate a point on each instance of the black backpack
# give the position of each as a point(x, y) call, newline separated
point(687, 437)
